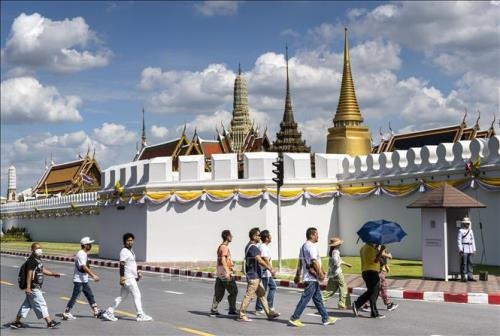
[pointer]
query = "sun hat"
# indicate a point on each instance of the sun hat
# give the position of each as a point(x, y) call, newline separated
point(335, 241)
point(466, 220)
point(86, 240)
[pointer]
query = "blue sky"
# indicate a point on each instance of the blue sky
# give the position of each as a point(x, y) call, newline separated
point(77, 74)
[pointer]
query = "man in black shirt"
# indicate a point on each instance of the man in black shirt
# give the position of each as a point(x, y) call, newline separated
point(34, 297)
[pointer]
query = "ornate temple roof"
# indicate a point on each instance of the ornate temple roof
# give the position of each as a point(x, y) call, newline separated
point(288, 138)
point(435, 136)
point(173, 148)
point(70, 178)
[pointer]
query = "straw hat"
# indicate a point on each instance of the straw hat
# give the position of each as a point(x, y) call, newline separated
point(335, 241)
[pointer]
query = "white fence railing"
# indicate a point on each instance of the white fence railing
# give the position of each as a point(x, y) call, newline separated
point(76, 200)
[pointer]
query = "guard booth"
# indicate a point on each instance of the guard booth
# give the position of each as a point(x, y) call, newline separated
point(442, 211)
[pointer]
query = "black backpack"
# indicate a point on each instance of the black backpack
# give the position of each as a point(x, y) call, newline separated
point(21, 277)
point(37, 276)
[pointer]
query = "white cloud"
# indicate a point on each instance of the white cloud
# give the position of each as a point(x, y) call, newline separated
point(25, 99)
point(159, 132)
point(449, 33)
point(217, 8)
point(111, 134)
point(61, 46)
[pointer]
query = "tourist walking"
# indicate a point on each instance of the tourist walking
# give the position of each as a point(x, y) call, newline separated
point(253, 270)
point(310, 265)
point(129, 275)
point(336, 280)
point(81, 275)
point(370, 267)
point(32, 281)
point(267, 278)
point(225, 279)
point(383, 258)
point(466, 249)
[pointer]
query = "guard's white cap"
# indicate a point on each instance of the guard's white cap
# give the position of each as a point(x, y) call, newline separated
point(86, 240)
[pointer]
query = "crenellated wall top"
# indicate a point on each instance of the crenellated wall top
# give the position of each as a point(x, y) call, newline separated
point(444, 159)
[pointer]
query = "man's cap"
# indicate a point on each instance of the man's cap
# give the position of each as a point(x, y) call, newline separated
point(86, 240)
point(466, 220)
point(335, 241)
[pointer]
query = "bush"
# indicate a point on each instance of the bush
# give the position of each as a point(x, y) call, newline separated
point(16, 234)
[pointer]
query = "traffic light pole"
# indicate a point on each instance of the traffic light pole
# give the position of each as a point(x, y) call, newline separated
point(278, 205)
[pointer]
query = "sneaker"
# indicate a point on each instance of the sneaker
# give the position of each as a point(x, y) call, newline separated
point(366, 309)
point(68, 316)
point(233, 312)
point(214, 313)
point(108, 316)
point(244, 319)
point(355, 309)
point(53, 324)
point(273, 315)
point(97, 313)
point(297, 323)
point(260, 312)
point(379, 316)
point(144, 318)
point(17, 325)
point(341, 308)
point(331, 320)
point(391, 306)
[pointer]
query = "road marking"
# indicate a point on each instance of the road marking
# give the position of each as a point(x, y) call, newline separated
point(6, 283)
point(172, 292)
point(194, 331)
point(312, 314)
point(67, 299)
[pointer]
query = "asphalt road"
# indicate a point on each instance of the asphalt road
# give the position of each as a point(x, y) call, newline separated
point(180, 306)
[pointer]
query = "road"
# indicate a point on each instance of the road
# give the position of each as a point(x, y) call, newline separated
point(180, 306)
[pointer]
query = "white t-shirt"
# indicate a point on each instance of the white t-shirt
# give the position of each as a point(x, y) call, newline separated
point(128, 257)
point(308, 252)
point(265, 252)
point(80, 260)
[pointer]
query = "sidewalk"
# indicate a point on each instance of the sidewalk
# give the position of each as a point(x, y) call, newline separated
point(479, 292)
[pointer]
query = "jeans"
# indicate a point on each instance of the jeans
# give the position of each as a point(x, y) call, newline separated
point(267, 283)
point(311, 290)
point(130, 287)
point(466, 265)
point(338, 283)
point(78, 287)
point(254, 287)
point(372, 281)
point(36, 302)
point(221, 285)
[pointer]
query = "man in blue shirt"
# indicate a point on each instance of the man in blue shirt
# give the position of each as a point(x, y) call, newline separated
point(253, 270)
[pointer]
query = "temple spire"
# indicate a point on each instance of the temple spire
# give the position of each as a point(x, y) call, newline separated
point(240, 124)
point(143, 137)
point(348, 136)
point(288, 138)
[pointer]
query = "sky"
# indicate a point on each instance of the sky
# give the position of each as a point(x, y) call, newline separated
point(76, 75)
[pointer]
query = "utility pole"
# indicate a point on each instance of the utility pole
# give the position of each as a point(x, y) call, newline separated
point(279, 182)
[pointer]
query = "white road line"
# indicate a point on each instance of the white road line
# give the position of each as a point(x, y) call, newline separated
point(312, 314)
point(172, 292)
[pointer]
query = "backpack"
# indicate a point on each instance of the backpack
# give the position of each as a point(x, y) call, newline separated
point(21, 277)
point(37, 275)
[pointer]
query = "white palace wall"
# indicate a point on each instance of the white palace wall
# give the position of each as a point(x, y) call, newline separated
point(178, 216)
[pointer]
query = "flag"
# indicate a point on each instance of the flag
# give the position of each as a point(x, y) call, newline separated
point(87, 179)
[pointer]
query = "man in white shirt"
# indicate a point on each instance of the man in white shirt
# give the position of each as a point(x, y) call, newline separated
point(466, 249)
point(267, 278)
point(81, 280)
point(310, 265)
point(129, 275)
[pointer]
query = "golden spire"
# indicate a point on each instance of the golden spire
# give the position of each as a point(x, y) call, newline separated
point(348, 135)
point(347, 109)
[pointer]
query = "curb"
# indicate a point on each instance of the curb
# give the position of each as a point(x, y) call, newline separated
point(472, 298)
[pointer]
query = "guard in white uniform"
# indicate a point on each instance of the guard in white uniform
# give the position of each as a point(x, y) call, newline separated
point(466, 248)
